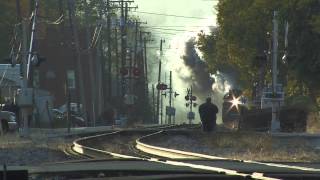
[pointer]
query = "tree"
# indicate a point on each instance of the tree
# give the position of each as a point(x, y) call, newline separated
point(241, 36)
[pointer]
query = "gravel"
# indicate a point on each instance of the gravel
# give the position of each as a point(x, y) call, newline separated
point(34, 150)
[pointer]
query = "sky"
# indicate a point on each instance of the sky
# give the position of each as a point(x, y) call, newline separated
point(174, 47)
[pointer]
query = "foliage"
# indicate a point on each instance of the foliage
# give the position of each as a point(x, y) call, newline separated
point(241, 36)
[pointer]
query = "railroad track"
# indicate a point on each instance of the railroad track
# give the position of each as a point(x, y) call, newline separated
point(137, 148)
point(84, 147)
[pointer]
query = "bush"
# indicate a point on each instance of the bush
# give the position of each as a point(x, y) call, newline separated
point(301, 102)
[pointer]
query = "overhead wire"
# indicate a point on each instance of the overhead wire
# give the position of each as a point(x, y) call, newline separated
point(172, 15)
point(178, 26)
point(58, 21)
point(170, 29)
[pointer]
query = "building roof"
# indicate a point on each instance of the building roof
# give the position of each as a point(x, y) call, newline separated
point(9, 76)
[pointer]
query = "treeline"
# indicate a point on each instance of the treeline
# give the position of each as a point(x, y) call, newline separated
point(109, 35)
point(242, 37)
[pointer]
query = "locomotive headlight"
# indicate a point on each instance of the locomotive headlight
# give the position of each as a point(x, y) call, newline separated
point(235, 102)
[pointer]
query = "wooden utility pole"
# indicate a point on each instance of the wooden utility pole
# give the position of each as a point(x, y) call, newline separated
point(158, 93)
point(275, 124)
point(123, 23)
point(118, 84)
point(75, 37)
point(146, 66)
point(170, 96)
point(18, 9)
point(159, 81)
point(143, 43)
point(109, 74)
point(68, 95)
point(90, 58)
point(153, 105)
point(99, 75)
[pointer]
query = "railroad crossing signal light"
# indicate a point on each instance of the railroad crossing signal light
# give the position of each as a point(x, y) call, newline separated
point(187, 104)
point(162, 86)
point(193, 98)
point(195, 104)
point(187, 98)
point(136, 72)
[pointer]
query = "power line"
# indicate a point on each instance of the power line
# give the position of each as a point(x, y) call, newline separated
point(180, 26)
point(172, 15)
point(162, 32)
point(170, 29)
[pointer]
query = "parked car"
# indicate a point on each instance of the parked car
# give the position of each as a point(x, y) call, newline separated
point(57, 114)
point(8, 121)
point(76, 119)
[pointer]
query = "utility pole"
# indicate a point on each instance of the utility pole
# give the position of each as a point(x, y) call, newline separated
point(18, 9)
point(25, 99)
point(159, 81)
point(123, 13)
point(158, 93)
point(143, 40)
point(117, 62)
point(275, 124)
point(24, 85)
point(109, 88)
point(161, 100)
point(90, 58)
point(68, 95)
point(123, 45)
point(74, 31)
point(146, 66)
point(170, 96)
point(153, 105)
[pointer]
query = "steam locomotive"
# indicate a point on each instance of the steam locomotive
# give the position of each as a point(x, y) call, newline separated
point(236, 116)
point(231, 115)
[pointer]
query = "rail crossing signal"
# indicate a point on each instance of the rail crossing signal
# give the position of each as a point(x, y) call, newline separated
point(190, 98)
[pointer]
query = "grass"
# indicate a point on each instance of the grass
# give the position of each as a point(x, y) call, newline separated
point(313, 123)
point(260, 147)
point(244, 146)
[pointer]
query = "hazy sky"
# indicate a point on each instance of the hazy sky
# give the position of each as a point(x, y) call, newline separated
point(175, 44)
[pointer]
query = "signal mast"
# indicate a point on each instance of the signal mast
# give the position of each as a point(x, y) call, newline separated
point(190, 98)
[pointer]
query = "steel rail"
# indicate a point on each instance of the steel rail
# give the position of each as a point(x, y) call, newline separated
point(80, 148)
point(86, 151)
point(90, 151)
point(178, 154)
